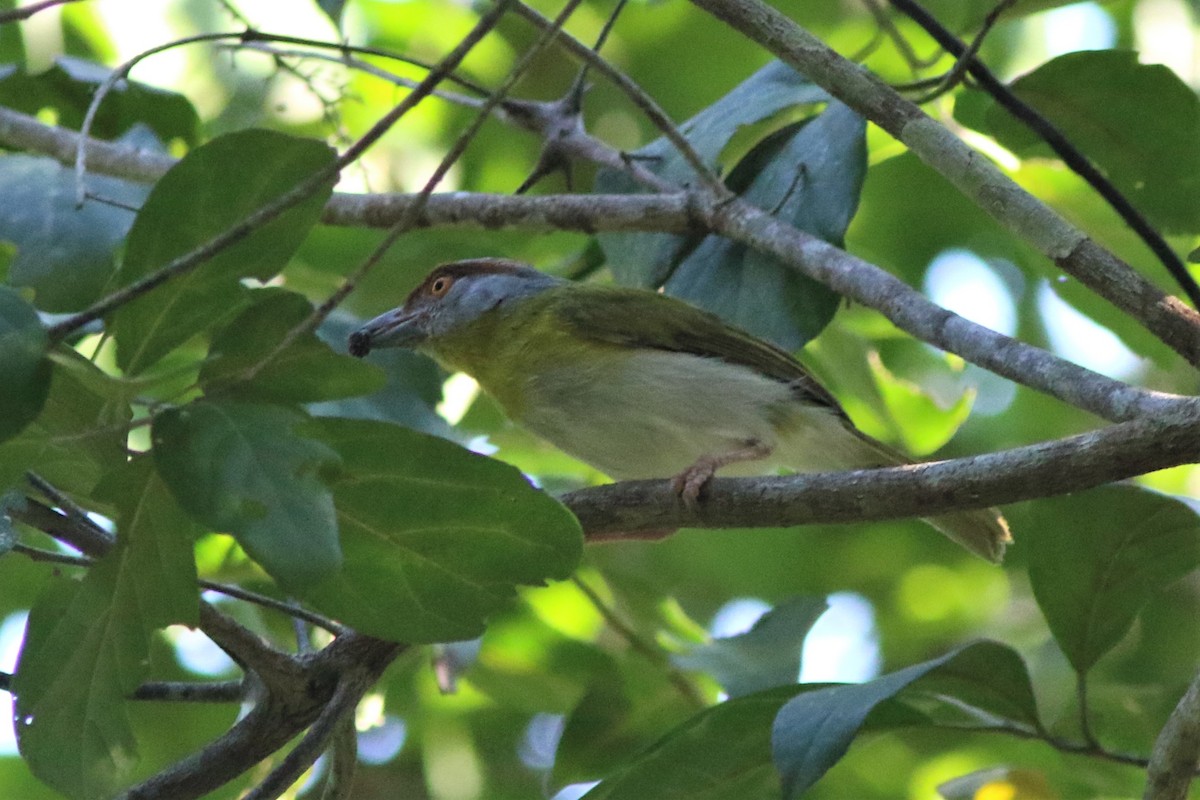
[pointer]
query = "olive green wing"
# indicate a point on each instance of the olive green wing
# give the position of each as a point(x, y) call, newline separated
point(636, 318)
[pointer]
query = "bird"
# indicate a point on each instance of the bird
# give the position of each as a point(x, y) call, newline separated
point(638, 384)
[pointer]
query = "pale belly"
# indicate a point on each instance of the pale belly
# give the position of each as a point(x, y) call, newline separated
point(653, 414)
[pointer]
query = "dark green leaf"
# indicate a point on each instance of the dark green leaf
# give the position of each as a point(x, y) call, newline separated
point(1138, 122)
point(435, 538)
point(87, 644)
point(249, 470)
point(64, 253)
point(410, 396)
point(68, 87)
point(723, 752)
point(1096, 558)
point(210, 191)
point(644, 259)
point(157, 536)
point(987, 677)
point(79, 434)
point(766, 656)
point(814, 730)
point(306, 371)
point(22, 363)
point(812, 179)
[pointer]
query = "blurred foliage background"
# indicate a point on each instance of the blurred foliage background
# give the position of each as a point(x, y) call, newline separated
point(575, 677)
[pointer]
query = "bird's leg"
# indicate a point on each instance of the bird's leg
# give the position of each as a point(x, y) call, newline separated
point(688, 483)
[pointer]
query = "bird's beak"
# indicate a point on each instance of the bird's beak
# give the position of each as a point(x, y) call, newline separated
point(400, 327)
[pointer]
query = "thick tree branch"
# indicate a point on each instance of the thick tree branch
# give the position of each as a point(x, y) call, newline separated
point(1165, 316)
point(919, 490)
point(1176, 756)
point(697, 211)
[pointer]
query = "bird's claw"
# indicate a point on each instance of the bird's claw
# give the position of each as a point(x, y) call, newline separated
point(692, 480)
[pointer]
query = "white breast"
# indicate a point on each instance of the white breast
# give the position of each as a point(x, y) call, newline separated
point(651, 414)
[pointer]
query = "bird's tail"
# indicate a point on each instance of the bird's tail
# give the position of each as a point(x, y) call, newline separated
point(983, 531)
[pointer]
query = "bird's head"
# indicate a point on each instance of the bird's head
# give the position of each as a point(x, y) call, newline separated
point(451, 295)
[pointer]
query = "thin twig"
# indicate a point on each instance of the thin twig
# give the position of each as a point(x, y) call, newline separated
point(1062, 146)
point(119, 74)
point(644, 102)
point(1058, 743)
point(294, 611)
point(25, 12)
point(963, 62)
point(650, 652)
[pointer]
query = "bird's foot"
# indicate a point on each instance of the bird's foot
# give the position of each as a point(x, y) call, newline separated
point(689, 483)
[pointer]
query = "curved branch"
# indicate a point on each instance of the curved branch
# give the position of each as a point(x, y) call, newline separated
point(1167, 317)
point(1176, 756)
point(918, 490)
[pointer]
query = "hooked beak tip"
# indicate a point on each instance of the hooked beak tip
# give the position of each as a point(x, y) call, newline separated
point(396, 328)
point(360, 343)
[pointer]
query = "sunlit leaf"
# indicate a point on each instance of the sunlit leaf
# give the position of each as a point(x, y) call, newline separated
point(249, 470)
point(69, 85)
point(1097, 557)
point(435, 538)
point(766, 656)
point(213, 189)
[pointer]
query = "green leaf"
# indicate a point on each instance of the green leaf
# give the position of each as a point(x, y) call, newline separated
point(68, 87)
point(766, 656)
point(65, 254)
point(645, 259)
point(410, 396)
point(722, 752)
point(927, 425)
point(1097, 557)
point(814, 730)
point(79, 434)
point(210, 191)
point(811, 176)
point(1138, 122)
point(87, 644)
point(435, 538)
point(250, 470)
point(23, 364)
point(987, 677)
point(306, 371)
point(158, 536)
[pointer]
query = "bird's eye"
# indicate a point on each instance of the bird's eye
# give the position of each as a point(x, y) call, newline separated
point(440, 286)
